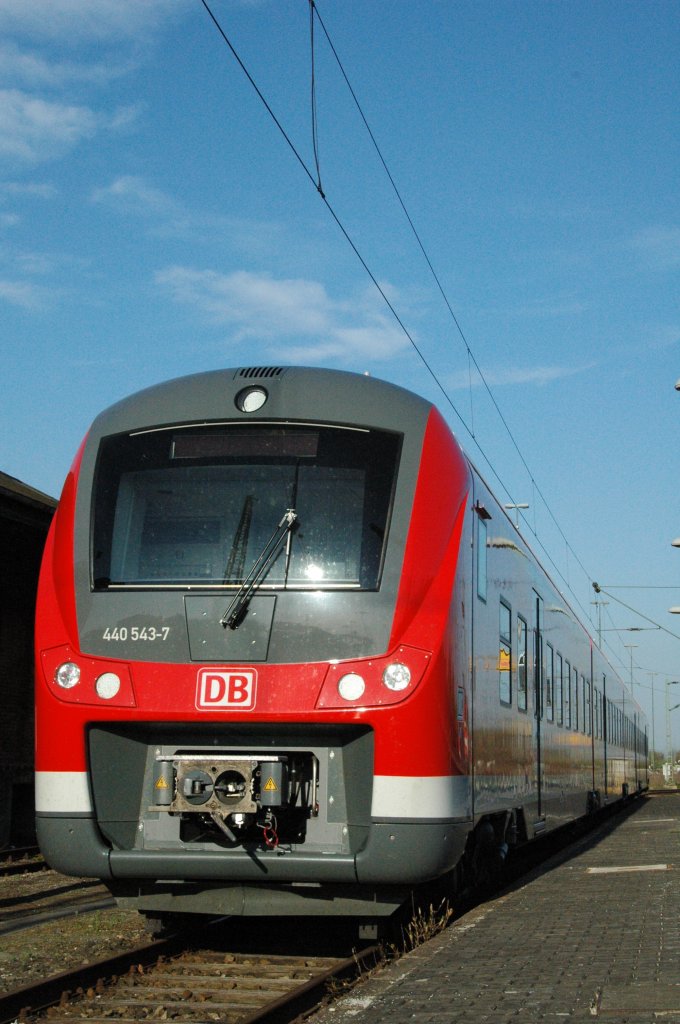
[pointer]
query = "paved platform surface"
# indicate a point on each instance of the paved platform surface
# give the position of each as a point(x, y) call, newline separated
point(595, 935)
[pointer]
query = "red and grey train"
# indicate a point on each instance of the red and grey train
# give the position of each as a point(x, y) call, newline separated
point(293, 657)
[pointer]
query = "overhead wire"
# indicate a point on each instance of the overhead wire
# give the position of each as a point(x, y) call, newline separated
point(315, 124)
point(471, 357)
point(635, 611)
point(472, 361)
point(351, 242)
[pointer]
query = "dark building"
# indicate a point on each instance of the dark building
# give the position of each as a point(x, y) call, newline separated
point(25, 516)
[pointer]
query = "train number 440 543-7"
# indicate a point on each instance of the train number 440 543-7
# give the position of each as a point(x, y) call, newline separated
point(136, 633)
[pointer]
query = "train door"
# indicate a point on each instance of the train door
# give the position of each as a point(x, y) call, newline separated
point(538, 706)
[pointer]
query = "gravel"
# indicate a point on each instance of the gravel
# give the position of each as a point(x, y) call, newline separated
point(36, 953)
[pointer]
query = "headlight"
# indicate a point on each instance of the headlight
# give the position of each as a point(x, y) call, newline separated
point(107, 685)
point(67, 675)
point(396, 676)
point(351, 686)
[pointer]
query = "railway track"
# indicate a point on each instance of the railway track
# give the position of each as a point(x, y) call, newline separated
point(49, 902)
point(206, 983)
point(21, 860)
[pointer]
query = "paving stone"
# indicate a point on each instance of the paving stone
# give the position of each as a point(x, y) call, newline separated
point(568, 944)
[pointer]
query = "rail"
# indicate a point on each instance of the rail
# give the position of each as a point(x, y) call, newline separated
point(190, 984)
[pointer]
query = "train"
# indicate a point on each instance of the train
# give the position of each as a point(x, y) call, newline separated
point(293, 658)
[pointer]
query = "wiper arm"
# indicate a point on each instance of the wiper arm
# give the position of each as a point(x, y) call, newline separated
point(235, 613)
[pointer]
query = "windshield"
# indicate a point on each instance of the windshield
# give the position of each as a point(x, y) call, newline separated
point(195, 507)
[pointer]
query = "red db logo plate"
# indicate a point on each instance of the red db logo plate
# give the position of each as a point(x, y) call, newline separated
point(221, 689)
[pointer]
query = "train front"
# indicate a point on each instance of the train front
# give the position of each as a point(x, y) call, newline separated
point(251, 648)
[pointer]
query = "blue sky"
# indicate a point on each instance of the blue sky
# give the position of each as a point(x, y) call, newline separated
point(154, 222)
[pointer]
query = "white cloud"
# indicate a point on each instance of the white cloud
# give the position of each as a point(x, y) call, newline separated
point(33, 129)
point(133, 195)
point(22, 293)
point(75, 20)
point(123, 117)
point(512, 375)
point(37, 189)
point(296, 311)
point(30, 68)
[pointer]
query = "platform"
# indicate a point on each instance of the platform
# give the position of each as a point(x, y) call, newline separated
point(593, 934)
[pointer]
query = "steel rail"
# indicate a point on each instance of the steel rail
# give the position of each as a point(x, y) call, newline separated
point(32, 1000)
point(41, 995)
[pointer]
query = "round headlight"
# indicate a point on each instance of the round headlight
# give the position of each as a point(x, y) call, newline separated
point(107, 685)
point(251, 399)
point(351, 686)
point(396, 676)
point(67, 675)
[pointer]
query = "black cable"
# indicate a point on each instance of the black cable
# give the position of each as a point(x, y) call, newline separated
point(250, 78)
point(315, 126)
point(636, 612)
point(351, 242)
point(471, 358)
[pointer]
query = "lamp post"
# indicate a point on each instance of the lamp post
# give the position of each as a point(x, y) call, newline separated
point(652, 676)
point(669, 751)
point(517, 507)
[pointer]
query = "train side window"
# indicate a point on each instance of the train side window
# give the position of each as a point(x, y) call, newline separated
point(566, 683)
point(539, 663)
point(522, 651)
point(586, 706)
point(566, 690)
point(559, 696)
point(505, 654)
point(574, 693)
point(596, 713)
point(549, 683)
point(481, 558)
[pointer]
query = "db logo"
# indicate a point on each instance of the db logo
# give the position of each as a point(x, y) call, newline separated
point(217, 689)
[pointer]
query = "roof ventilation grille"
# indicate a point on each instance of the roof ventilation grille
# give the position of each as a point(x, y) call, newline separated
point(260, 372)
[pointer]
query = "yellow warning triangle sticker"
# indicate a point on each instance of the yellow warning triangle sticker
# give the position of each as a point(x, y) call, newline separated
point(161, 784)
point(270, 786)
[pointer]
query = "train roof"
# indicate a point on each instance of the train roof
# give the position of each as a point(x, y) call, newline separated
point(312, 392)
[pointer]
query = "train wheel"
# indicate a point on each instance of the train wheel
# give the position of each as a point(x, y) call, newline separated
point(488, 856)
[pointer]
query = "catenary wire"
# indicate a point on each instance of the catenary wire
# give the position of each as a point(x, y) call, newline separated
point(314, 13)
point(353, 246)
point(435, 276)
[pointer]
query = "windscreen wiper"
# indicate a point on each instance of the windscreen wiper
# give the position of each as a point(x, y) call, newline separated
point(236, 612)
